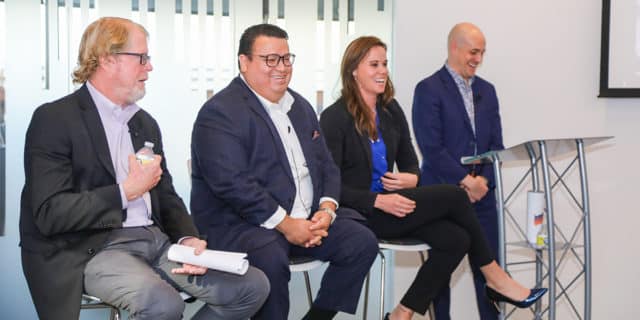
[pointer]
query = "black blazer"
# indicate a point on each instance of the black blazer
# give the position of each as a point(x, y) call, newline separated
point(352, 152)
point(70, 200)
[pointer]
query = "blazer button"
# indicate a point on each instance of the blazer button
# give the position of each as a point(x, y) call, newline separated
point(91, 251)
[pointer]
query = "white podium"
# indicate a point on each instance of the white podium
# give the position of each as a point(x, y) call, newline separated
point(542, 154)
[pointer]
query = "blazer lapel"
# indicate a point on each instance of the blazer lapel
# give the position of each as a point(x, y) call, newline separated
point(304, 133)
point(452, 88)
point(254, 104)
point(96, 130)
point(387, 135)
point(366, 147)
point(135, 131)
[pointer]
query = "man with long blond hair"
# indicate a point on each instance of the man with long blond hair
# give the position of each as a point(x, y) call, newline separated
point(93, 218)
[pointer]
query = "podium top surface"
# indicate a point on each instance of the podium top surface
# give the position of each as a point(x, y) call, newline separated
point(522, 151)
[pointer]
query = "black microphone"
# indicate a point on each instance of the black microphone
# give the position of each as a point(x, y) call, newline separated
point(133, 130)
point(477, 97)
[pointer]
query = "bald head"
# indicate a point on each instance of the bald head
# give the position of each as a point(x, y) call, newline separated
point(466, 47)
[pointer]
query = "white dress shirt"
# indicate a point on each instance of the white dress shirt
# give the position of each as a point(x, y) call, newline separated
point(301, 177)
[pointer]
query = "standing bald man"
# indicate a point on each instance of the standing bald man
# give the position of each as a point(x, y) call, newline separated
point(455, 114)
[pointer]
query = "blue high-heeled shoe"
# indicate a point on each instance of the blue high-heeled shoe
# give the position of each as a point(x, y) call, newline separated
point(535, 295)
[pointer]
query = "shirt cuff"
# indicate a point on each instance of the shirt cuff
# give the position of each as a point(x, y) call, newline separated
point(275, 219)
point(183, 238)
point(123, 196)
point(323, 199)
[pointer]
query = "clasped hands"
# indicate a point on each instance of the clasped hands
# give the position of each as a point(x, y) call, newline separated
point(306, 233)
point(475, 186)
point(393, 203)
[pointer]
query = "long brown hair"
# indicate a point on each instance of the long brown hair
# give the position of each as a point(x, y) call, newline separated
point(353, 55)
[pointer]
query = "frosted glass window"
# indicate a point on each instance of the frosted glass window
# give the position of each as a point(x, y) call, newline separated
point(209, 7)
point(3, 36)
point(62, 31)
point(194, 48)
point(351, 23)
point(152, 28)
point(93, 11)
point(3, 45)
point(178, 33)
point(225, 8)
point(44, 44)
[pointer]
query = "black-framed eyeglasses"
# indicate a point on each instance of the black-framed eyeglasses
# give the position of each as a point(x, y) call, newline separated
point(143, 56)
point(272, 60)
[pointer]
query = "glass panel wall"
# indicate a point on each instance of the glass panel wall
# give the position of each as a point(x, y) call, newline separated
point(193, 44)
point(194, 48)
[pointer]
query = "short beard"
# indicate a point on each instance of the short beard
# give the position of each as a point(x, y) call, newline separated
point(135, 96)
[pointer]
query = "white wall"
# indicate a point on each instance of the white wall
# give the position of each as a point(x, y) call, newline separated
point(543, 57)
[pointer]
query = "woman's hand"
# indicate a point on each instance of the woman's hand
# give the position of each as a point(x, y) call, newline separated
point(397, 181)
point(394, 204)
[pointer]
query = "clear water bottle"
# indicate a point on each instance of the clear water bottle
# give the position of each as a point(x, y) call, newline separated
point(145, 154)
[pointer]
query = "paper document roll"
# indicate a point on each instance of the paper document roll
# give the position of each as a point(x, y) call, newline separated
point(535, 215)
point(232, 262)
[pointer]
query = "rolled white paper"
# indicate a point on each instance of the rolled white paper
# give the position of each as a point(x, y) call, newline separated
point(535, 215)
point(232, 262)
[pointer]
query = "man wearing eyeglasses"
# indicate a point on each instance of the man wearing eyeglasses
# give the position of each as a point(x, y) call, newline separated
point(93, 218)
point(263, 181)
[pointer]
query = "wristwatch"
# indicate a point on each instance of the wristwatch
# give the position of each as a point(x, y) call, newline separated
point(330, 212)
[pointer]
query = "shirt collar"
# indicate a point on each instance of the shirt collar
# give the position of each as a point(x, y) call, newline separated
point(106, 108)
point(283, 105)
point(458, 78)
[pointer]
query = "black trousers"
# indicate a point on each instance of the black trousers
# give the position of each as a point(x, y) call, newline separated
point(443, 218)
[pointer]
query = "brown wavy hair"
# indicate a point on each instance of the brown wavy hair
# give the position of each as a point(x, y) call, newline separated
point(103, 37)
point(353, 55)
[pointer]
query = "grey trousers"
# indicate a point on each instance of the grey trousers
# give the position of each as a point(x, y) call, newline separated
point(132, 272)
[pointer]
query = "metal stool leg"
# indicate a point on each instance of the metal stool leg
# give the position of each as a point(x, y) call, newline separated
point(115, 314)
point(308, 283)
point(382, 279)
point(432, 311)
point(366, 296)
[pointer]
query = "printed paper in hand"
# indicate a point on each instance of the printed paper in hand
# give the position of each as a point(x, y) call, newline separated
point(232, 262)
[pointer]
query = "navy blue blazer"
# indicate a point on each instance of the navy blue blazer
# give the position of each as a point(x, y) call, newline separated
point(444, 133)
point(240, 172)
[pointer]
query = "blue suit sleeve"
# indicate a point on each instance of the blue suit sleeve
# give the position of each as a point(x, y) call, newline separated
point(429, 130)
point(495, 139)
point(221, 151)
